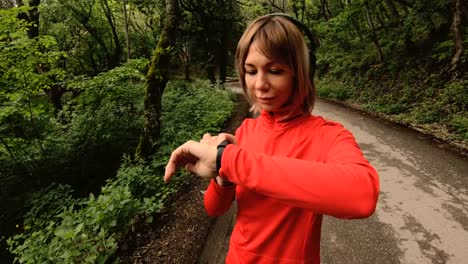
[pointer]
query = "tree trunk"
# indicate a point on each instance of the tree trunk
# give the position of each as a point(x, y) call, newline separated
point(391, 6)
point(211, 66)
point(187, 70)
point(33, 30)
point(83, 17)
point(55, 96)
point(374, 34)
point(55, 92)
point(457, 34)
point(295, 9)
point(223, 50)
point(384, 12)
point(381, 21)
point(184, 55)
point(303, 7)
point(156, 80)
point(115, 57)
point(126, 20)
point(32, 17)
point(325, 10)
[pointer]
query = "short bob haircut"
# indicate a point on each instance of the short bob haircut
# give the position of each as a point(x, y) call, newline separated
point(283, 42)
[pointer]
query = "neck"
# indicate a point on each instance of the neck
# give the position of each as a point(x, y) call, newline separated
point(287, 113)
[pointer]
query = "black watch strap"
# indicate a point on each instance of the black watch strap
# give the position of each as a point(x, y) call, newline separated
point(219, 154)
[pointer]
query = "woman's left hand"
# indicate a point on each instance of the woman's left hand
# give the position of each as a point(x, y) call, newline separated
point(196, 157)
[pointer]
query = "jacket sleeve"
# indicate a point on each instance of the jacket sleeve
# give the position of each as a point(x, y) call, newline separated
point(218, 199)
point(344, 185)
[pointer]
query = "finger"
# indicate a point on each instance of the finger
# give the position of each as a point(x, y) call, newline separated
point(171, 167)
point(192, 152)
point(200, 169)
point(177, 160)
point(206, 138)
point(225, 136)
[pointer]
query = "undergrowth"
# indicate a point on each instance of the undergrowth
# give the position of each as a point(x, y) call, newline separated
point(413, 96)
point(59, 228)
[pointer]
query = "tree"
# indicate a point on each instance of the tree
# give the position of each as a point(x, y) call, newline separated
point(28, 67)
point(374, 37)
point(156, 80)
point(457, 34)
point(211, 25)
point(325, 10)
point(115, 58)
point(126, 22)
point(32, 17)
point(391, 6)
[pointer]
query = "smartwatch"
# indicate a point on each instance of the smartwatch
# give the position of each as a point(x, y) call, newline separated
point(219, 154)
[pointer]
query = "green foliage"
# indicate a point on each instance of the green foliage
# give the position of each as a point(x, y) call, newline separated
point(79, 235)
point(28, 68)
point(105, 116)
point(88, 230)
point(443, 50)
point(428, 113)
point(47, 204)
point(460, 126)
point(334, 90)
point(192, 109)
point(411, 83)
point(108, 109)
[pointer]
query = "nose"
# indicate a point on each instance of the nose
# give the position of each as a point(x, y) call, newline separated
point(261, 82)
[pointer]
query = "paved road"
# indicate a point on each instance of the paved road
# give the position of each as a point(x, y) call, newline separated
point(422, 214)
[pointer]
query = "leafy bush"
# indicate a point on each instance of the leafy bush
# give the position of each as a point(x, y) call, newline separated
point(389, 108)
point(460, 126)
point(193, 109)
point(108, 110)
point(334, 90)
point(88, 230)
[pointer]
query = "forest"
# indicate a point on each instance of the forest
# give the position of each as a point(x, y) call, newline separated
point(95, 94)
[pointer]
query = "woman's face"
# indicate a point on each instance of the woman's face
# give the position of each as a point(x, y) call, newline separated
point(269, 83)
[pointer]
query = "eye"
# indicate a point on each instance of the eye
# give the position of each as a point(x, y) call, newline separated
point(250, 72)
point(275, 71)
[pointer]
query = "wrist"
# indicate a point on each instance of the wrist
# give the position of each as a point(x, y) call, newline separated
point(223, 183)
point(219, 154)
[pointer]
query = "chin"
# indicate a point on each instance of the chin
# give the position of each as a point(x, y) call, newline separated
point(268, 108)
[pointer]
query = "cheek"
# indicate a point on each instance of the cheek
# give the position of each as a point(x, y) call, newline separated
point(287, 87)
point(248, 80)
point(249, 84)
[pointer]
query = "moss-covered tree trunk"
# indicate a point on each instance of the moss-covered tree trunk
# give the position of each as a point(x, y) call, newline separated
point(457, 34)
point(156, 80)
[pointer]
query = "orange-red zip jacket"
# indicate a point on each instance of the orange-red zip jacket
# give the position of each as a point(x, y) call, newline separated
point(287, 175)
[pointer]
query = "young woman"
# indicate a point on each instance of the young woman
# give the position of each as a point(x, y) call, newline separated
point(286, 168)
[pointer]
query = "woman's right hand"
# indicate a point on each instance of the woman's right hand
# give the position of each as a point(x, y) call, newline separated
point(215, 141)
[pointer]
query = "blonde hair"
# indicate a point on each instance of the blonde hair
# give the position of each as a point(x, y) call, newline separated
point(283, 42)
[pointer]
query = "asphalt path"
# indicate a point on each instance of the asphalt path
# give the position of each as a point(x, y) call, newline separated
point(422, 212)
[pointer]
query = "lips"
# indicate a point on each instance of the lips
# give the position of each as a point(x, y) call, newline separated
point(266, 99)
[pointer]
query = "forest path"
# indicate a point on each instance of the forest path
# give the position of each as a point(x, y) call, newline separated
point(422, 214)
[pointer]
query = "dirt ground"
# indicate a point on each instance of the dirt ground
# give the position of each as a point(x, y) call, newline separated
point(184, 233)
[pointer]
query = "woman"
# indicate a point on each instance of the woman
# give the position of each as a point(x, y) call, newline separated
point(287, 167)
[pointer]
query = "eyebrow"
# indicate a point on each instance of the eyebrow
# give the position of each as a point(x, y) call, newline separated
point(268, 64)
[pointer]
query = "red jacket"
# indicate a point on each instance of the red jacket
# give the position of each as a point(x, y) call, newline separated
point(288, 175)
